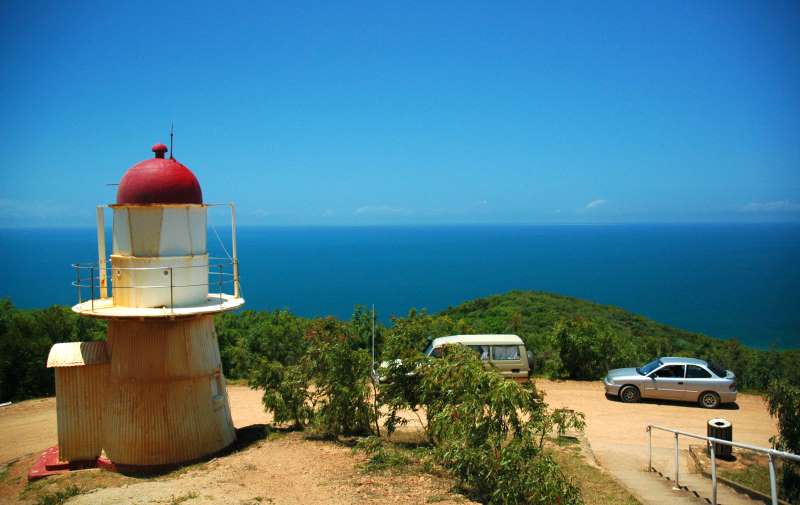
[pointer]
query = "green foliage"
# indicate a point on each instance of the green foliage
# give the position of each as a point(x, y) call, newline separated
point(408, 336)
point(59, 497)
point(488, 431)
point(784, 404)
point(568, 419)
point(341, 379)
point(381, 457)
point(361, 327)
point(26, 337)
point(285, 391)
point(328, 387)
point(251, 340)
point(534, 315)
point(589, 348)
point(248, 338)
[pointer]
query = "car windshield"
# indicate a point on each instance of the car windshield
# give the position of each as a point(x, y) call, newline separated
point(649, 367)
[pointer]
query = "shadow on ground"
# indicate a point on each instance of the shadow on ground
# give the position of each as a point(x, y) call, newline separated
point(650, 401)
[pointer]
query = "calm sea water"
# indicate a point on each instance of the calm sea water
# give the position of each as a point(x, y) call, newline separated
point(723, 280)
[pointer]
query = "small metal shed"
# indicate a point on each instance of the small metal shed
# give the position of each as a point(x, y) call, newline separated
point(82, 371)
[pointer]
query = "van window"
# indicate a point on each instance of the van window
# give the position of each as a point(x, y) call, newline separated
point(505, 352)
point(695, 372)
point(481, 350)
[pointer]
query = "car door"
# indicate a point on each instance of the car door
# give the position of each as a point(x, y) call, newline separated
point(698, 379)
point(666, 383)
point(508, 359)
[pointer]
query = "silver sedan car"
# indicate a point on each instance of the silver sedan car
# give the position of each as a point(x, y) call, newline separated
point(681, 379)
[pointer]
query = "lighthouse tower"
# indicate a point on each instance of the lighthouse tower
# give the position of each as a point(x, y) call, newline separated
point(159, 377)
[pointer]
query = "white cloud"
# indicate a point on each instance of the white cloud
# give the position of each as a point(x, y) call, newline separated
point(773, 206)
point(594, 204)
point(328, 213)
point(381, 210)
point(483, 202)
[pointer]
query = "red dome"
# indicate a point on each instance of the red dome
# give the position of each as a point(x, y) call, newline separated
point(159, 180)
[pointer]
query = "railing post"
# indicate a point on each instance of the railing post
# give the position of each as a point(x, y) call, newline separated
point(78, 283)
point(91, 293)
point(171, 296)
point(219, 282)
point(713, 474)
point(650, 448)
point(101, 252)
point(773, 485)
point(677, 462)
point(236, 285)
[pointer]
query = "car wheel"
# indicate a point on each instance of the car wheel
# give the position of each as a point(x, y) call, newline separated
point(709, 400)
point(629, 394)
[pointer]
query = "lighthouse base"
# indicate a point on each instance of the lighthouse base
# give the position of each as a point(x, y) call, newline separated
point(49, 463)
point(167, 400)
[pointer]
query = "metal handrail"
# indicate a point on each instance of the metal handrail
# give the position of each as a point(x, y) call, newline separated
point(711, 441)
point(95, 280)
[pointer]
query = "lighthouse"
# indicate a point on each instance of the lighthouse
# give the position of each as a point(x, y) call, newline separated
point(153, 393)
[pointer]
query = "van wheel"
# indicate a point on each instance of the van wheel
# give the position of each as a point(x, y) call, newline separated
point(709, 400)
point(630, 394)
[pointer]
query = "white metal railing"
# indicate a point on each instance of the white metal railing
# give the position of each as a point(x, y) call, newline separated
point(771, 455)
point(92, 277)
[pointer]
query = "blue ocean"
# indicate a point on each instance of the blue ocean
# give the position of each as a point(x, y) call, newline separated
point(725, 280)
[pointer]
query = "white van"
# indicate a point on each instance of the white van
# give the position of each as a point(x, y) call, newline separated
point(506, 352)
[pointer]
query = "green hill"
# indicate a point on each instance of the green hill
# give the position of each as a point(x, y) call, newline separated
point(535, 315)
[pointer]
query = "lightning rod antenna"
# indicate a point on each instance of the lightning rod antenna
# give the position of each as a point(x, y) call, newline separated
point(171, 133)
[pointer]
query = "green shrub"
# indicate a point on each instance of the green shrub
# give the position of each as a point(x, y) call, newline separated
point(488, 431)
point(589, 348)
point(329, 387)
point(784, 404)
point(285, 391)
point(380, 457)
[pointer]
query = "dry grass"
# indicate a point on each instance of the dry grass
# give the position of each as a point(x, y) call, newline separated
point(597, 486)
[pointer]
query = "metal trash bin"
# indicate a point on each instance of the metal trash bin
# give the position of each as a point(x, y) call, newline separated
point(723, 430)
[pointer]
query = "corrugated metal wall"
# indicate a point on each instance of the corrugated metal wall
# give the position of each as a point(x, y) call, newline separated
point(164, 378)
point(80, 402)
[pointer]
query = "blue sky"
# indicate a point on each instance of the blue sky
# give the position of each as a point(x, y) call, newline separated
point(408, 113)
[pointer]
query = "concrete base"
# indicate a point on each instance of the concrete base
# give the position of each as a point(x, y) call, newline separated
point(49, 463)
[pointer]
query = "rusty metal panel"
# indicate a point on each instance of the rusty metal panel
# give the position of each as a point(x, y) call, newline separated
point(80, 403)
point(68, 354)
point(167, 401)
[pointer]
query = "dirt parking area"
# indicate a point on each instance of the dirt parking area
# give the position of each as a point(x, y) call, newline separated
point(616, 430)
point(619, 440)
point(283, 468)
point(290, 469)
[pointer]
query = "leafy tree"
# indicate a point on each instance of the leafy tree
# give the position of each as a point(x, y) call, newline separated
point(340, 376)
point(361, 323)
point(285, 392)
point(784, 404)
point(488, 431)
point(26, 337)
point(248, 338)
point(328, 387)
point(589, 348)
